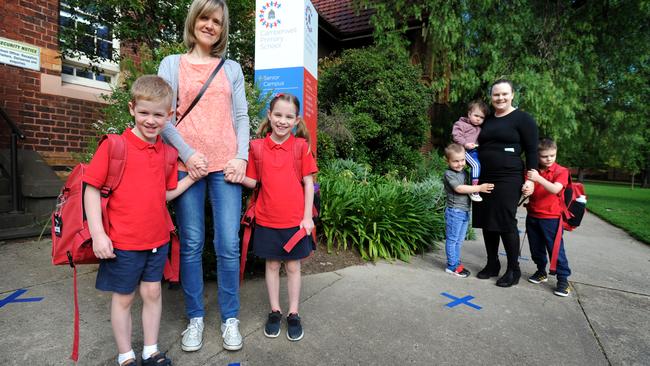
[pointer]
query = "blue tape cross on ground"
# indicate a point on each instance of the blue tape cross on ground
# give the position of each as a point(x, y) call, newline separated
point(460, 300)
point(233, 364)
point(15, 298)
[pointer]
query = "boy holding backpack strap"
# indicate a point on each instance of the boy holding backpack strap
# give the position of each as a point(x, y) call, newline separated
point(545, 209)
point(133, 249)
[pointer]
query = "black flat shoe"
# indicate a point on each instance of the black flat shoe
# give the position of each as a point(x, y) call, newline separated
point(511, 277)
point(488, 272)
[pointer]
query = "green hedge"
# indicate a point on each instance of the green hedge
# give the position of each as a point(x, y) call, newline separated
point(382, 217)
point(375, 108)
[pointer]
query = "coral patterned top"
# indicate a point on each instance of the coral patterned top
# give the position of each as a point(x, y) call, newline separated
point(209, 127)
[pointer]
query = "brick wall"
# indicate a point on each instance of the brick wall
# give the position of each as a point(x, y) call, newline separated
point(54, 125)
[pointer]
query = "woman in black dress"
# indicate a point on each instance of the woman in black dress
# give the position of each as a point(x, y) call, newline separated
point(504, 136)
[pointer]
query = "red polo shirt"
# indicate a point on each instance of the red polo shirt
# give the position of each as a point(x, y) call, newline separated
point(281, 201)
point(137, 210)
point(542, 203)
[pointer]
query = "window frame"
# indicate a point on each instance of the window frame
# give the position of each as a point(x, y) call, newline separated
point(107, 67)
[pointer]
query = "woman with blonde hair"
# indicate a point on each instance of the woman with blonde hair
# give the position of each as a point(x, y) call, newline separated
point(211, 133)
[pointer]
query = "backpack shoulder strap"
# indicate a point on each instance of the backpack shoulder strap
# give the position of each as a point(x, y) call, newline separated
point(298, 147)
point(257, 146)
point(117, 153)
point(171, 156)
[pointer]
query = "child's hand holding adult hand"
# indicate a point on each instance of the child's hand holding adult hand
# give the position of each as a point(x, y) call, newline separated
point(533, 175)
point(235, 170)
point(470, 146)
point(197, 166)
point(307, 224)
point(103, 246)
point(486, 187)
point(528, 188)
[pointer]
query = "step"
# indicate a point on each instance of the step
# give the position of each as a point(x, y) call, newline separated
point(22, 232)
point(5, 186)
point(5, 203)
point(13, 220)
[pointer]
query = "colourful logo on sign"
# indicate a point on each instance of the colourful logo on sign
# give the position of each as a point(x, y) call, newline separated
point(268, 15)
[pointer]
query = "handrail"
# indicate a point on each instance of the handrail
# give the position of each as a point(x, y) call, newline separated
point(11, 124)
point(15, 133)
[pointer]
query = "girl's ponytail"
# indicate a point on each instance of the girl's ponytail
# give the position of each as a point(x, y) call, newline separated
point(302, 131)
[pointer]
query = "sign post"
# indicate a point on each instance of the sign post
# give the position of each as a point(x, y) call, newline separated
point(286, 54)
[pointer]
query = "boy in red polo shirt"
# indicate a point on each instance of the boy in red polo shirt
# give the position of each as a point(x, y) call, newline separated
point(134, 250)
point(544, 211)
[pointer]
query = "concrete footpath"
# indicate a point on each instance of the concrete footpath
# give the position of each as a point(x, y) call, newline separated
point(376, 314)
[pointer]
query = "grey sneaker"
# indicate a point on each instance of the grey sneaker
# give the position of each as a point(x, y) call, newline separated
point(193, 336)
point(232, 339)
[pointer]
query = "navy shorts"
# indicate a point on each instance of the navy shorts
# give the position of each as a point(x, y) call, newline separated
point(124, 273)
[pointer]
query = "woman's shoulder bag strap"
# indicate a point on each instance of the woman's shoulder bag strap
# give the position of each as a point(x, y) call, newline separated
point(203, 89)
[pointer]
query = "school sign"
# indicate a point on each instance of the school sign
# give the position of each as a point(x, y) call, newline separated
point(286, 53)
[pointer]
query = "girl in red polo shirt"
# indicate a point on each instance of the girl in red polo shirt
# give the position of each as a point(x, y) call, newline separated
point(284, 205)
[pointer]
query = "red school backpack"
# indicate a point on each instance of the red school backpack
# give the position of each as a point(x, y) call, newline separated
point(71, 241)
point(248, 220)
point(574, 202)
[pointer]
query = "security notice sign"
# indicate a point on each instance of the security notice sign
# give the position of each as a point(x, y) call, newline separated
point(20, 54)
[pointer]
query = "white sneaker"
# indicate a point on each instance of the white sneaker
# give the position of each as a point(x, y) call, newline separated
point(193, 336)
point(475, 197)
point(232, 340)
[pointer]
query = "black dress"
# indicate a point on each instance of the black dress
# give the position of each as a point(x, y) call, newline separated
point(501, 142)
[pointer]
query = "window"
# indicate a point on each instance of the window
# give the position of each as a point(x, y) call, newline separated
point(96, 46)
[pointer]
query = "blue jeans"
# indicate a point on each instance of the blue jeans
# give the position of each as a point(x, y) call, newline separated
point(541, 237)
point(225, 200)
point(457, 221)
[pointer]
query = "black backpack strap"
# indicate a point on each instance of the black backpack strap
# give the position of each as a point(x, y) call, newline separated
point(203, 89)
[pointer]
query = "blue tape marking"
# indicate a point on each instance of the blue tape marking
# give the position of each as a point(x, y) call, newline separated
point(523, 258)
point(460, 300)
point(234, 364)
point(15, 298)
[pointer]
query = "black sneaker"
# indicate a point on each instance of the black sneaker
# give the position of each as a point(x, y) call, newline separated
point(272, 328)
point(294, 328)
point(562, 289)
point(538, 277)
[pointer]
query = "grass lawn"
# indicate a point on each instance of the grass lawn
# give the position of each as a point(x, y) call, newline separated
point(622, 206)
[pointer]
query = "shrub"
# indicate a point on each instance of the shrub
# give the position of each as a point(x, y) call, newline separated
point(382, 217)
point(378, 95)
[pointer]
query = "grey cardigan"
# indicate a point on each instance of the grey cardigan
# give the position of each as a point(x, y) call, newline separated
point(168, 70)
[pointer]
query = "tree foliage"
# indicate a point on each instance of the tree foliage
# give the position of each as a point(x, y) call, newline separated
point(381, 100)
point(152, 23)
point(581, 68)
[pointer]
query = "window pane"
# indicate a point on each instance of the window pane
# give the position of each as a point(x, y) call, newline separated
point(65, 21)
point(86, 44)
point(104, 48)
point(103, 32)
point(101, 77)
point(84, 74)
point(67, 70)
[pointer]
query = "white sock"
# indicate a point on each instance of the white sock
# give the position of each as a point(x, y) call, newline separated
point(125, 356)
point(147, 351)
point(198, 319)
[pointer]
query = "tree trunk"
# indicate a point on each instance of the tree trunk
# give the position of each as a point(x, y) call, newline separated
point(581, 175)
